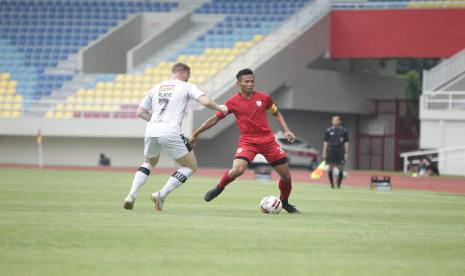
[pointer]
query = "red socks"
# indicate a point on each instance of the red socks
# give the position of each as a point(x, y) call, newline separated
point(225, 180)
point(285, 188)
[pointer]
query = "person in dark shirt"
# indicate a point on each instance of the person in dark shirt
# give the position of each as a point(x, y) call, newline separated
point(336, 149)
point(104, 160)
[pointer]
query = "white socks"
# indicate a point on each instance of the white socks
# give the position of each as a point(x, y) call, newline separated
point(140, 178)
point(176, 180)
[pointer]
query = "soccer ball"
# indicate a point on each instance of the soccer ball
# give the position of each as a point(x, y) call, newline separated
point(270, 205)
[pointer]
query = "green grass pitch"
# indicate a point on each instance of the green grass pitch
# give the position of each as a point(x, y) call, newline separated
point(72, 223)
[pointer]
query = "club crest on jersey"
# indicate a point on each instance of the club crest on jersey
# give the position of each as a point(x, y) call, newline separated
point(259, 103)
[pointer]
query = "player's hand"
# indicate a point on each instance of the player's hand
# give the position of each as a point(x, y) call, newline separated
point(193, 139)
point(290, 136)
point(223, 108)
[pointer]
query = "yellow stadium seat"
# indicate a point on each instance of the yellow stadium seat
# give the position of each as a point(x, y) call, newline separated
point(108, 93)
point(15, 114)
point(3, 83)
point(11, 91)
point(115, 108)
point(100, 85)
point(239, 44)
point(2, 91)
point(128, 85)
point(90, 93)
point(181, 58)
point(248, 44)
point(87, 107)
point(49, 115)
point(58, 115)
point(126, 93)
point(69, 107)
point(147, 86)
point(17, 106)
point(71, 99)
point(129, 78)
point(60, 106)
point(81, 92)
point(257, 38)
point(2, 98)
point(12, 84)
point(7, 106)
point(164, 64)
point(109, 85)
point(68, 115)
point(5, 76)
point(117, 94)
point(107, 100)
point(138, 78)
point(78, 107)
point(98, 100)
point(118, 85)
point(149, 71)
point(220, 58)
point(120, 77)
point(99, 93)
point(6, 113)
point(208, 51)
point(79, 99)
point(89, 99)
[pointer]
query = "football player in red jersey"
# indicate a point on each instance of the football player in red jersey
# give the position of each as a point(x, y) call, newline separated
point(249, 107)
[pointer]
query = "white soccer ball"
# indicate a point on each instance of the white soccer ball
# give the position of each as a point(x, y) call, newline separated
point(270, 205)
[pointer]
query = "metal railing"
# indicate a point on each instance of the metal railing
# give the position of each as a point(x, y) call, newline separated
point(441, 153)
point(443, 100)
point(444, 72)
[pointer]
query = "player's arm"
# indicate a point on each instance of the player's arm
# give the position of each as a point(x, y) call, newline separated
point(282, 123)
point(209, 103)
point(212, 121)
point(346, 146)
point(143, 113)
point(325, 150)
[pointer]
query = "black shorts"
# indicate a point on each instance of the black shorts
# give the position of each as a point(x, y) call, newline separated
point(335, 156)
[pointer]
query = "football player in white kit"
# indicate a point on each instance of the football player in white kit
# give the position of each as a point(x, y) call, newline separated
point(163, 108)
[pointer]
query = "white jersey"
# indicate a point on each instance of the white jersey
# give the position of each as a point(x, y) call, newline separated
point(168, 101)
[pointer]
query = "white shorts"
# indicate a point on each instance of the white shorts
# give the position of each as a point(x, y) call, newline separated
point(175, 145)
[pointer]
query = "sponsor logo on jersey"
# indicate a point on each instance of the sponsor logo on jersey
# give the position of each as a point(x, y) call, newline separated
point(239, 150)
point(259, 103)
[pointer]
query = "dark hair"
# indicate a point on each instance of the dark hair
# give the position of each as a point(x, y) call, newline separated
point(180, 67)
point(243, 72)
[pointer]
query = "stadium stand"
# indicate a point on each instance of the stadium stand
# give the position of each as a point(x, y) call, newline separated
point(37, 35)
point(117, 96)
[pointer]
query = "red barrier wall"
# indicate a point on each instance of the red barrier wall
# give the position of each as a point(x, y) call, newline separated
point(397, 33)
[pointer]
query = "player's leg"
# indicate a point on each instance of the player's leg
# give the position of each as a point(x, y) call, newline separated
point(277, 158)
point(330, 174)
point(330, 160)
point(152, 154)
point(239, 167)
point(179, 149)
point(340, 176)
point(285, 186)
